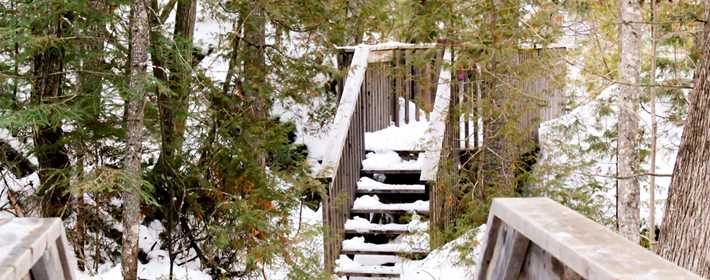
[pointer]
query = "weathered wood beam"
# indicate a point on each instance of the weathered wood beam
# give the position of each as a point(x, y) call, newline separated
point(541, 265)
point(509, 255)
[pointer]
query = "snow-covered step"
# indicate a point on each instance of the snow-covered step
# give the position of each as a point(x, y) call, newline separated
point(367, 185)
point(358, 225)
point(357, 245)
point(371, 204)
point(386, 272)
point(390, 161)
point(372, 172)
point(347, 267)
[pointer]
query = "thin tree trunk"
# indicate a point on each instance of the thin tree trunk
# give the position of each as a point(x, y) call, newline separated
point(134, 124)
point(48, 68)
point(685, 230)
point(254, 61)
point(253, 55)
point(629, 134)
point(497, 155)
point(173, 113)
point(654, 132)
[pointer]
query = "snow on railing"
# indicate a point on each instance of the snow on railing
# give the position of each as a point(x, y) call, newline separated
point(437, 126)
point(344, 114)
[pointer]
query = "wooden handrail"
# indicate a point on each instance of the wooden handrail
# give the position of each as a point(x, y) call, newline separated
point(439, 119)
point(344, 114)
point(537, 238)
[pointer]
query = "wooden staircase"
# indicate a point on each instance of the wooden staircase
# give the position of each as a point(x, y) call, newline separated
point(376, 218)
point(391, 205)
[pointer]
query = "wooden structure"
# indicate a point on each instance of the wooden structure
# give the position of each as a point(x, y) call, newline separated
point(388, 84)
point(537, 238)
point(369, 100)
point(36, 249)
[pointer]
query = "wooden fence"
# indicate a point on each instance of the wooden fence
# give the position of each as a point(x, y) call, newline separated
point(537, 238)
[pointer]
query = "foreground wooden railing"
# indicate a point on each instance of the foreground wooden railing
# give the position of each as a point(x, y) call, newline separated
point(537, 238)
point(35, 248)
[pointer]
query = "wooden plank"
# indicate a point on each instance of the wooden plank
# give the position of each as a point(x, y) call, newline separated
point(378, 56)
point(489, 245)
point(590, 249)
point(508, 255)
point(49, 266)
point(66, 257)
point(540, 265)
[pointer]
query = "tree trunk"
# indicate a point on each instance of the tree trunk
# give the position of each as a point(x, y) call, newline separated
point(497, 152)
point(685, 230)
point(628, 160)
point(254, 61)
point(47, 69)
point(254, 86)
point(134, 124)
point(173, 105)
point(654, 134)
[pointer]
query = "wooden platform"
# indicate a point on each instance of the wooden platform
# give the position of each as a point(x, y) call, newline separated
point(35, 248)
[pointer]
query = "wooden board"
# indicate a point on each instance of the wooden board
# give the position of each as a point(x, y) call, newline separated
point(541, 265)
